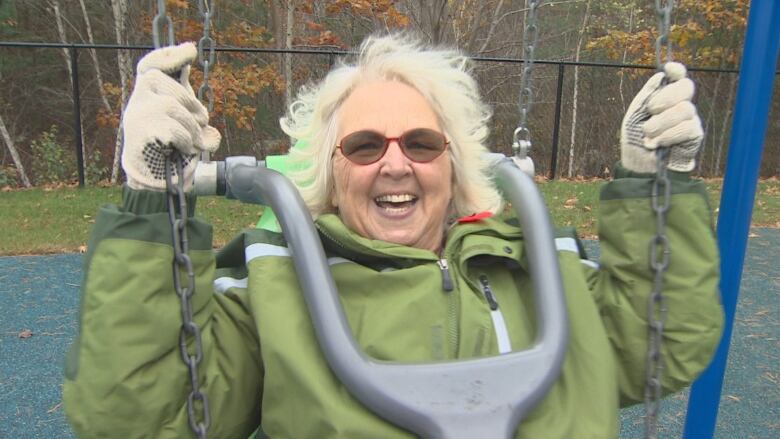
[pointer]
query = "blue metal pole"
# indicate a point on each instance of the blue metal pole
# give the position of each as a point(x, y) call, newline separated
point(754, 96)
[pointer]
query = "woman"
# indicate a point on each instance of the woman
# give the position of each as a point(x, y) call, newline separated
point(392, 167)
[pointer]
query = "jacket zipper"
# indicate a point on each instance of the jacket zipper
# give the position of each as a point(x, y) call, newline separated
point(452, 299)
point(499, 325)
point(447, 285)
point(452, 305)
point(446, 279)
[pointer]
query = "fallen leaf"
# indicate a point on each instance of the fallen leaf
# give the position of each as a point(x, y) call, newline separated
point(733, 398)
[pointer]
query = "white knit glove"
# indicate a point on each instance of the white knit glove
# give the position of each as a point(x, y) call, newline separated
point(662, 115)
point(164, 114)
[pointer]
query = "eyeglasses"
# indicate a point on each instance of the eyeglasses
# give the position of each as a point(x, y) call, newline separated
point(420, 145)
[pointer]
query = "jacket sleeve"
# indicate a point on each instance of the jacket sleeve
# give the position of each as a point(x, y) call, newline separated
point(624, 282)
point(124, 374)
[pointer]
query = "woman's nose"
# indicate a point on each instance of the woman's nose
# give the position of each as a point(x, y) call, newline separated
point(395, 162)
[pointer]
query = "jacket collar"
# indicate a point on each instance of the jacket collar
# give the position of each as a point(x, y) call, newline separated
point(337, 238)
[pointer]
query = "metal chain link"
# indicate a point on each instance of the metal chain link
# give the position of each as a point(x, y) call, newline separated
point(656, 304)
point(659, 249)
point(161, 20)
point(197, 401)
point(177, 204)
point(521, 139)
point(663, 10)
point(206, 10)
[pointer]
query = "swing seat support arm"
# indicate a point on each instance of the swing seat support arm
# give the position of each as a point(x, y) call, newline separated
point(484, 397)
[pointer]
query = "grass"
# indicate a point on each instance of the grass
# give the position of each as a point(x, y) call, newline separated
point(575, 202)
point(57, 220)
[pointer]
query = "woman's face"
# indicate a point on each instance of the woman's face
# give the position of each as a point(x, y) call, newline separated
point(394, 199)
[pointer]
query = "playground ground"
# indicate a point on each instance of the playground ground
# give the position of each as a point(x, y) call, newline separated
point(39, 313)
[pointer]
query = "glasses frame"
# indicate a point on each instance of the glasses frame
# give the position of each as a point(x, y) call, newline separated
point(397, 140)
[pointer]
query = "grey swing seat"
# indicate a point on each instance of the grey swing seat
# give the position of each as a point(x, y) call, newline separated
point(484, 397)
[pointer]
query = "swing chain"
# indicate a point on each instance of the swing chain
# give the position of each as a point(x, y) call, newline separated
point(206, 10)
point(660, 251)
point(656, 305)
point(177, 203)
point(160, 22)
point(663, 10)
point(521, 140)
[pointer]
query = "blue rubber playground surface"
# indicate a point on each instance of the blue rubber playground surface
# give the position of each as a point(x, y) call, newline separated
point(39, 302)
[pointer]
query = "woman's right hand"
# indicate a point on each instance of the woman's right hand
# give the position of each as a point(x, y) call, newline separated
point(162, 115)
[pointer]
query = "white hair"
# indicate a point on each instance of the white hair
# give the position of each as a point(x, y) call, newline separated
point(441, 75)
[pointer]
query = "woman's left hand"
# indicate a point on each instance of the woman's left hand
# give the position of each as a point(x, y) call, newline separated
point(662, 115)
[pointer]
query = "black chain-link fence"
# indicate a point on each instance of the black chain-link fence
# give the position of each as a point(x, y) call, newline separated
point(57, 117)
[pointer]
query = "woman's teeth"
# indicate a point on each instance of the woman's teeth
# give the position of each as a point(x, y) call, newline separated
point(402, 198)
point(395, 203)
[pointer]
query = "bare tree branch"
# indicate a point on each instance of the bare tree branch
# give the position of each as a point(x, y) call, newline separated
point(119, 11)
point(572, 139)
point(9, 143)
point(493, 23)
point(55, 4)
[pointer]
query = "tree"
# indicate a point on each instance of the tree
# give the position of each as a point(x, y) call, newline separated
point(236, 80)
point(124, 64)
point(55, 5)
point(251, 90)
point(9, 143)
point(576, 90)
point(102, 90)
point(703, 34)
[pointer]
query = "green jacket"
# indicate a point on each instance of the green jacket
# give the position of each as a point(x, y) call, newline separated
point(263, 367)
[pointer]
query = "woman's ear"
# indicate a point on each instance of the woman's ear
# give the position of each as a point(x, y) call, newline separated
point(452, 216)
point(336, 167)
point(334, 202)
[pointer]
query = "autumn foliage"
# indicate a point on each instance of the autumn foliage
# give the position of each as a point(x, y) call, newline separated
point(696, 40)
point(237, 80)
point(255, 77)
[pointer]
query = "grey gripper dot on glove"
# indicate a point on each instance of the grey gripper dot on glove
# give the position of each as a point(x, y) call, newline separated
point(163, 114)
point(662, 115)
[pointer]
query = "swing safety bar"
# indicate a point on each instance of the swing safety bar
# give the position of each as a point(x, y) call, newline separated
point(484, 397)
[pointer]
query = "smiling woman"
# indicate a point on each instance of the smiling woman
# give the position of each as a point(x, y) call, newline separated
point(394, 176)
point(395, 198)
point(435, 83)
